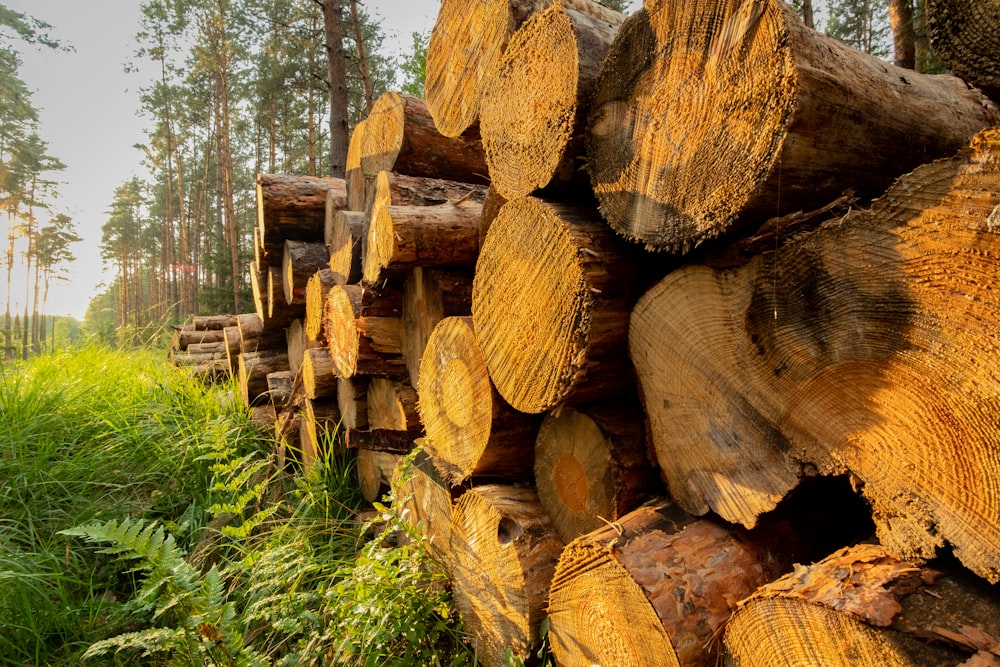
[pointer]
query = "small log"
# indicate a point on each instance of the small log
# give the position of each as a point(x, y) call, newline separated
point(193, 359)
point(296, 342)
point(234, 344)
point(400, 136)
point(592, 465)
point(504, 551)
point(865, 346)
point(209, 371)
point(292, 208)
point(395, 189)
point(263, 417)
point(424, 500)
point(346, 231)
point(662, 583)
point(253, 335)
point(429, 296)
point(317, 288)
point(375, 472)
point(254, 368)
point(208, 348)
point(280, 387)
point(551, 300)
point(318, 377)
point(965, 35)
point(352, 399)
point(354, 179)
point(403, 237)
point(862, 606)
point(535, 107)
point(466, 44)
point(301, 259)
point(363, 344)
point(382, 440)
point(471, 430)
point(280, 313)
point(213, 322)
point(794, 116)
point(392, 404)
point(184, 338)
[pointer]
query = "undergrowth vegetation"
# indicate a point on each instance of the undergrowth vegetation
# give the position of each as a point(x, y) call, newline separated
point(143, 520)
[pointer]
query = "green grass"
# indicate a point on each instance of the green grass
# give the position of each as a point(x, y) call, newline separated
point(262, 567)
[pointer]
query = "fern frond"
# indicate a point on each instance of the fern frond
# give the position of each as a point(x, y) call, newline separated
point(153, 640)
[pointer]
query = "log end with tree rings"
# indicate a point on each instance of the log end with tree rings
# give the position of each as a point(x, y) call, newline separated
point(466, 43)
point(383, 134)
point(344, 243)
point(529, 108)
point(965, 35)
point(340, 325)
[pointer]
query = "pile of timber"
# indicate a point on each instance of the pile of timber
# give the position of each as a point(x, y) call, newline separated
point(199, 346)
point(619, 371)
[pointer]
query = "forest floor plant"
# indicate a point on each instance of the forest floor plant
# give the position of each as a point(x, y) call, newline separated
point(207, 554)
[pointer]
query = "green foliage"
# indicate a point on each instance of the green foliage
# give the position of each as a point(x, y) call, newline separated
point(863, 24)
point(414, 66)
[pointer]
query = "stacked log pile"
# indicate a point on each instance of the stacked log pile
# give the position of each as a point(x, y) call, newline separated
point(201, 347)
point(622, 366)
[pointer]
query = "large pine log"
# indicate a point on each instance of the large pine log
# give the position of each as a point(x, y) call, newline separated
point(403, 237)
point(965, 35)
point(551, 299)
point(345, 236)
point(504, 551)
point(301, 259)
point(868, 345)
point(292, 208)
point(591, 465)
point(466, 44)
point(535, 106)
point(394, 189)
point(471, 430)
point(653, 589)
point(429, 296)
point(711, 116)
point(400, 136)
point(863, 607)
point(364, 339)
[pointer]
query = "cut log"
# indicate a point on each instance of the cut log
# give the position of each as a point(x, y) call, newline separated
point(292, 208)
point(354, 180)
point(393, 405)
point(319, 421)
point(403, 237)
point(394, 189)
point(280, 387)
point(352, 397)
point(864, 607)
point(400, 136)
point(217, 348)
point(318, 377)
point(254, 367)
point(375, 472)
point(535, 107)
point(659, 582)
point(213, 322)
point(382, 440)
point(280, 312)
point(296, 342)
point(592, 465)
point(965, 35)
point(234, 344)
point(317, 288)
point(209, 371)
point(345, 236)
point(301, 259)
point(263, 417)
point(504, 551)
point(183, 338)
point(429, 296)
point(423, 499)
point(867, 345)
point(361, 343)
point(253, 335)
point(466, 44)
point(471, 430)
point(551, 299)
point(193, 359)
point(710, 117)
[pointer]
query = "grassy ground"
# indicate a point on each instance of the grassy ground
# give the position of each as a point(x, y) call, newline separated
point(142, 521)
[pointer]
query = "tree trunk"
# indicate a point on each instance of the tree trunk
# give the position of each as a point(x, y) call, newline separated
point(795, 117)
point(403, 237)
point(863, 607)
point(390, 188)
point(863, 346)
point(535, 106)
point(591, 465)
point(504, 551)
point(662, 583)
point(429, 296)
point(344, 242)
point(336, 73)
point(293, 208)
point(465, 48)
point(254, 368)
point(318, 377)
point(400, 136)
point(551, 300)
point(185, 337)
point(904, 38)
point(301, 259)
point(471, 430)
point(965, 34)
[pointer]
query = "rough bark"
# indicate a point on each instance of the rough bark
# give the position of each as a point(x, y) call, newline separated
point(504, 553)
point(865, 346)
point(592, 465)
point(466, 44)
point(965, 35)
point(429, 296)
point(254, 368)
point(301, 259)
point(551, 299)
point(213, 322)
point(535, 107)
point(471, 430)
point(400, 136)
point(280, 387)
point(904, 38)
point(710, 117)
point(862, 606)
point(292, 208)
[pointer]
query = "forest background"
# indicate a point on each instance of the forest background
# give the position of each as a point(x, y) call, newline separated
point(231, 89)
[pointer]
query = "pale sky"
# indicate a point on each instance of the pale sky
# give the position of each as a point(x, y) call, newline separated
point(88, 109)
